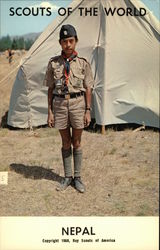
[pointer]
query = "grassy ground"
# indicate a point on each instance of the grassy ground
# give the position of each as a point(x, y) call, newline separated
point(120, 170)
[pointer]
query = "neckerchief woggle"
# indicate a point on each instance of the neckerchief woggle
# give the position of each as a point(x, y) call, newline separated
point(67, 67)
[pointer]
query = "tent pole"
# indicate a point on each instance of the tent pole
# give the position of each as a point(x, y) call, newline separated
point(103, 129)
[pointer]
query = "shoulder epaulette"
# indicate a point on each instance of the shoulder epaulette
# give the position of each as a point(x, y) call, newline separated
point(54, 58)
point(83, 58)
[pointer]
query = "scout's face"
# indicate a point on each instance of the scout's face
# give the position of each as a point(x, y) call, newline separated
point(68, 45)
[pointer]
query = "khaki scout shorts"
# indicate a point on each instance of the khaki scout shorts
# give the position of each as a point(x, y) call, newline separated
point(69, 112)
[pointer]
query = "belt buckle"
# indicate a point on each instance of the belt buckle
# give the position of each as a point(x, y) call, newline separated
point(67, 96)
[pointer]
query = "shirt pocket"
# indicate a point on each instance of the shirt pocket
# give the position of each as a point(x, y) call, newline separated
point(77, 78)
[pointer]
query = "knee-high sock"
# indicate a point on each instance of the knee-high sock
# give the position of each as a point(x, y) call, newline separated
point(67, 161)
point(77, 157)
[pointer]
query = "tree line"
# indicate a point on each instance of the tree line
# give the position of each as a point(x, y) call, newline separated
point(16, 43)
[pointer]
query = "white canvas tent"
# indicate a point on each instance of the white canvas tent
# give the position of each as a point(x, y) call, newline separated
point(123, 52)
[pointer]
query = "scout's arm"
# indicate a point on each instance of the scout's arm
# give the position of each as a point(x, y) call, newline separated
point(87, 117)
point(88, 84)
point(50, 119)
point(88, 96)
point(49, 82)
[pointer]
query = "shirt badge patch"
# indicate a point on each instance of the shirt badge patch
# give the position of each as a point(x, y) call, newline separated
point(79, 82)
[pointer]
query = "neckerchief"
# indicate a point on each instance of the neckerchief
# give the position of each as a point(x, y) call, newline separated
point(67, 66)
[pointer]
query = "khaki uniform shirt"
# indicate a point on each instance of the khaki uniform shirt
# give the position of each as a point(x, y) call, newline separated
point(79, 79)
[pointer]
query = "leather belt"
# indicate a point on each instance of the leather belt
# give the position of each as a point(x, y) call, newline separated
point(70, 95)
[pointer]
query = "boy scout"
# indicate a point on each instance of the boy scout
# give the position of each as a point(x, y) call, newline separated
point(10, 56)
point(70, 81)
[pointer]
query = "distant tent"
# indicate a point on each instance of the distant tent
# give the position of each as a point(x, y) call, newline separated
point(123, 52)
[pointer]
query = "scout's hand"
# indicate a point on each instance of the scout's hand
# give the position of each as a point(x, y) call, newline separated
point(50, 120)
point(87, 118)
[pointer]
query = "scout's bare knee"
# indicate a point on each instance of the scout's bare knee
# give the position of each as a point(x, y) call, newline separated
point(66, 138)
point(66, 142)
point(76, 138)
point(76, 142)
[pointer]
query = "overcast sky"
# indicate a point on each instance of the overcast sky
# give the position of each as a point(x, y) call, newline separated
point(19, 25)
